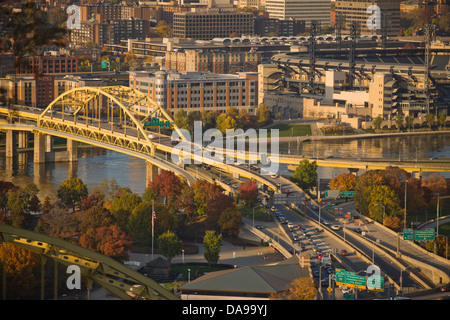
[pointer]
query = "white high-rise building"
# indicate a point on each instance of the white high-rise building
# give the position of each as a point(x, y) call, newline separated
point(305, 10)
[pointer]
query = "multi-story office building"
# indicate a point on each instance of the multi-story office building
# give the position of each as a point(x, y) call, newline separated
point(303, 10)
point(265, 26)
point(99, 32)
point(113, 12)
point(356, 10)
point(198, 91)
point(48, 64)
point(213, 61)
point(212, 23)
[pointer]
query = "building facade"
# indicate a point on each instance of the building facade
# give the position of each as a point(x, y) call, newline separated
point(302, 10)
point(356, 10)
point(213, 61)
point(198, 91)
point(100, 32)
point(48, 64)
point(265, 27)
point(214, 23)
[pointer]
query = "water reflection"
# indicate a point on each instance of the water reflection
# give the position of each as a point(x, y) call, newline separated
point(95, 164)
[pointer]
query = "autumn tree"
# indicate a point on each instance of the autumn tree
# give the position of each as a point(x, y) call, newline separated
point(212, 243)
point(343, 182)
point(110, 241)
point(230, 221)
point(169, 245)
point(364, 181)
point(94, 217)
point(394, 223)
point(58, 222)
point(166, 184)
point(248, 192)
point(262, 115)
point(20, 267)
point(299, 289)
point(71, 191)
point(430, 119)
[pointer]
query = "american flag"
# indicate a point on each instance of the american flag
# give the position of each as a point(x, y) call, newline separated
point(153, 223)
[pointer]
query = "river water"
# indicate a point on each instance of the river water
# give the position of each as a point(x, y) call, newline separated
point(96, 164)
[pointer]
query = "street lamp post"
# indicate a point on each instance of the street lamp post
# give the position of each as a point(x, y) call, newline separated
point(437, 224)
point(404, 218)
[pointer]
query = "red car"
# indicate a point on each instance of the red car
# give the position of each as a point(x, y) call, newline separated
point(344, 253)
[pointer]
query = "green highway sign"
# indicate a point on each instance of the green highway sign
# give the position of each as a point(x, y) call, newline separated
point(156, 122)
point(408, 234)
point(350, 279)
point(375, 283)
point(340, 277)
point(427, 234)
point(349, 296)
point(418, 235)
point(355, 281)
point(347, 194)
point(329, 206)
point(104, 64)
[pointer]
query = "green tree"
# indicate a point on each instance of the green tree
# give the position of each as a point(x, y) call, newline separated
point(212, 243)
point(169, 245)
point(379, 196)
point(410, 121)
point(305, 175)
point(430, 119)
point(139, 225)
point(71, 191)
point(181, 120)
point(441, 118)
point(399, 121)
point(122, 207)
point(377, 122)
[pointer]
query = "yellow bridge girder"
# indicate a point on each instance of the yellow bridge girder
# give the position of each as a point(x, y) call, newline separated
point(108, 273)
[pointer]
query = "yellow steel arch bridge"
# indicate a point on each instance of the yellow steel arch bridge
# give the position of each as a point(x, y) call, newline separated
point(94, 267)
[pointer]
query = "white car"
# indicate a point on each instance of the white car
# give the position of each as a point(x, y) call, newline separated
point(274, 176)
point(150, 136)
point(335, 227)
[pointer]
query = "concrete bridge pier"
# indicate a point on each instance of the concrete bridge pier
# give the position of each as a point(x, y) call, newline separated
point(48, 143)
point(11, 144)
point(72, 149)
point(152, 172)
point(39, 147)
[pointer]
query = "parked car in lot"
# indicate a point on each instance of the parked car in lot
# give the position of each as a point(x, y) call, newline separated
point(290, 226)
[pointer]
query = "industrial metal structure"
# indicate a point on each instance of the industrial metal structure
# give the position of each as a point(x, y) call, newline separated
point(94, 267)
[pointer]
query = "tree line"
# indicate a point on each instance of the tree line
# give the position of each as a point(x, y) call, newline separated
point(113, 220)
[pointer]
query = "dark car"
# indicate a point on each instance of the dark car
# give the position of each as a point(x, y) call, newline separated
point(357, 230)
point(344, 253)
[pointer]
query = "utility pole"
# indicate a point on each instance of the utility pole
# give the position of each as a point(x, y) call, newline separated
point(404, 218)
point(355, 32)
point(437, 225)
point(430, 35)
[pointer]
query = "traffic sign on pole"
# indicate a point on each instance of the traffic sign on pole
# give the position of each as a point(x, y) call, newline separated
point(408, 234)
point(347, 194)
point(426, 235)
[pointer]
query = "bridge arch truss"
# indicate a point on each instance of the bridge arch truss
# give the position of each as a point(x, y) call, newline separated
point(108, 273)
point(87, 111)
